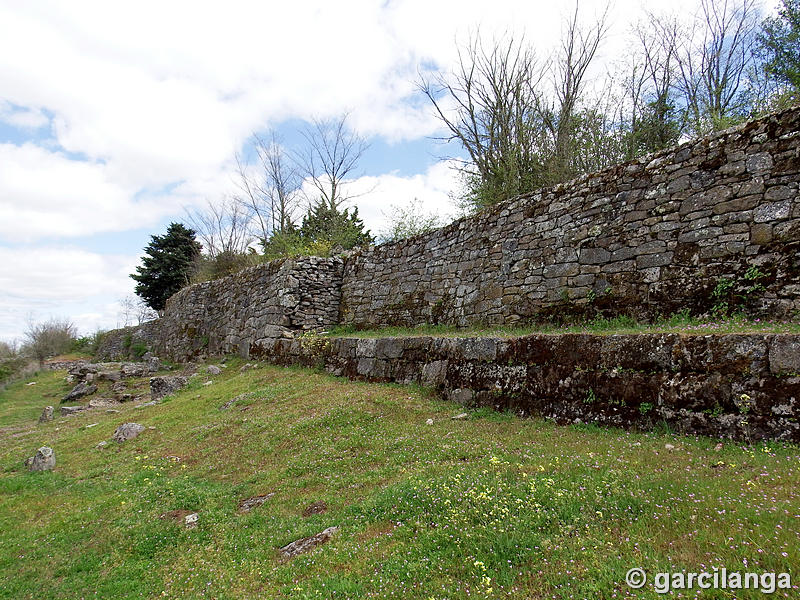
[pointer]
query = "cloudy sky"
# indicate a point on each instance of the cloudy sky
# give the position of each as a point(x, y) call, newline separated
point(115, 117)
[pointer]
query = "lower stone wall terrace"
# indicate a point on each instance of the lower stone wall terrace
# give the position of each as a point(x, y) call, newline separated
point(739, 386)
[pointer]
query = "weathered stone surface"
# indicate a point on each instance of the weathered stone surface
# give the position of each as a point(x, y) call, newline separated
point(43, 460)
point(79, 391)
point(309, 543)
point(72, 410)
point(112, 376)
point(102, 403)
point(249, 504)
point(693, 382)
point(213, 370)
point(47, 414)
point(128, 370)
point(784, 355)
point(127, 431)
point(166, 385)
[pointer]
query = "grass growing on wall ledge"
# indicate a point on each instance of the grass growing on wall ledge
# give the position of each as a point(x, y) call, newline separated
point(488, 506)
point(678, 323)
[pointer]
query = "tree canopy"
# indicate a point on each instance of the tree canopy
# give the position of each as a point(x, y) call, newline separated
point(166, 265)
point(780, 41)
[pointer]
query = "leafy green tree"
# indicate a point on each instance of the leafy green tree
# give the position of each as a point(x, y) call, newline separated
point(780, 43)
point(324, 224)
point(167, 265)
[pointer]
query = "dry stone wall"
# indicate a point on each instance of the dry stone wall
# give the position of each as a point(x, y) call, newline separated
point(736, 386)
point(644, 238)
point(239, 313)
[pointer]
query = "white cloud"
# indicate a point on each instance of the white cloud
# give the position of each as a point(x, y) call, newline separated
point(46, 194)
point(61, 281)
point(147, 103)
point(377, 195)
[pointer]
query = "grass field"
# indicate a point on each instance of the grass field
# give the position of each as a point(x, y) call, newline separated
point(486, 507)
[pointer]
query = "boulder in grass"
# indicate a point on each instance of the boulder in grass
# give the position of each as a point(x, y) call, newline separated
point(127, 431)
point(153, 364)
point(43, 460)
point(47, 414)
point(213, 370)
point(66, 411)
point(128, 370)
point(249, 504)
point(79, 391)
point(166, 385)
point(305, 544)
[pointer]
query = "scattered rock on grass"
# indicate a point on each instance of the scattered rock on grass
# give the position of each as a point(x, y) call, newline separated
point(460, 416)
point(213, 370)
point(166, 385)
point(102, 403)
point(79, 391)
point(112, 376)
point(72, 410)
point(127, 431)
point(47, 414)
point(429, 422)
point(188, 518)
point(317, 508)
point(309, 543)
point(249, 504)
point(146, 404)
point(134, 370)
point(43, 460)
point(153, 364)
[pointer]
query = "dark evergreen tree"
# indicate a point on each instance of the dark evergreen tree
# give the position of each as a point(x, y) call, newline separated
point(328, 225)
point(166, 266)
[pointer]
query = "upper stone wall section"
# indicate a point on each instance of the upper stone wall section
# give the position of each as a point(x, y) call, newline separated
point(644, 238)
point(239, 313)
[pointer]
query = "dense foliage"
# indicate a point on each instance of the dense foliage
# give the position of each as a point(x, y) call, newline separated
point(167, 265)
point(780, 42)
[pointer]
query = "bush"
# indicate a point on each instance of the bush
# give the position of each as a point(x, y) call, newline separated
point(50, 338)
point(207, 268)
point(88, 343)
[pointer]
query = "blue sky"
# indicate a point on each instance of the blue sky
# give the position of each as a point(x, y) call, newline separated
point(115, 118)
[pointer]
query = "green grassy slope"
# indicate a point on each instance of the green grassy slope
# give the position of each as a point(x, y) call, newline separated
point(486, 507)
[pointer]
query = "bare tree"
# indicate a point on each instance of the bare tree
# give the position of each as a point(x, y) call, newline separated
point(269, 192)
point(578, 48)
point(489, 104)
point(223, 227)
point(9, 349)
point(134, 311)
point(281, 182)
point(715, 64)
point(330, 158)
point(43, 340)
point(651, 116)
